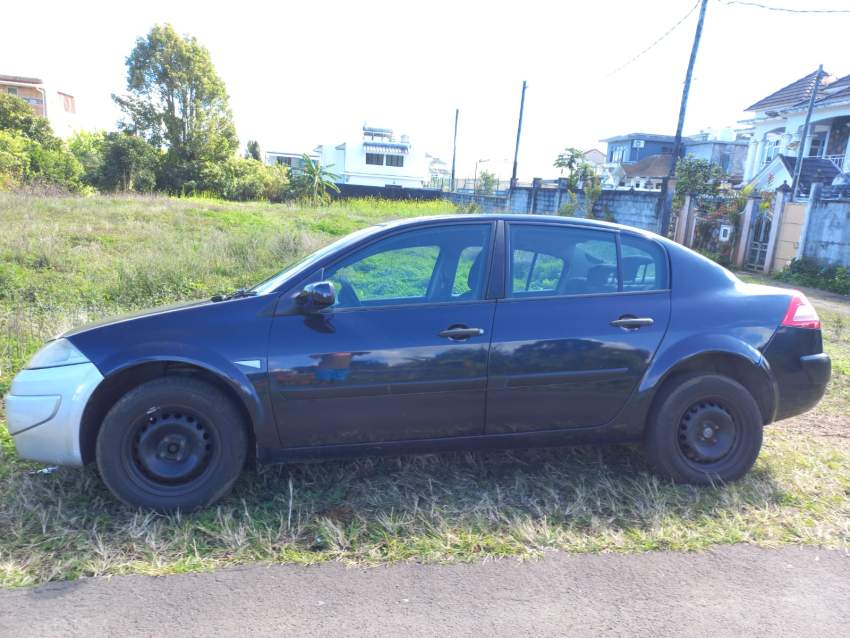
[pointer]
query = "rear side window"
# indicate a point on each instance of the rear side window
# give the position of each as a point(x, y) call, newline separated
point(551, 260)
point(644, 264)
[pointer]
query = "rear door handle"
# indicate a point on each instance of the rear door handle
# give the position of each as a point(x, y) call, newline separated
point(632, 323)
point(458, 333)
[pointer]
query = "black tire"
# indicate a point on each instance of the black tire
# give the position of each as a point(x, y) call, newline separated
point(171, 443)
point(705, 429)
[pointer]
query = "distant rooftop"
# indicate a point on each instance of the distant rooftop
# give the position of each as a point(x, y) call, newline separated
point(649, 137)
point(20, 79)
point(650, 166)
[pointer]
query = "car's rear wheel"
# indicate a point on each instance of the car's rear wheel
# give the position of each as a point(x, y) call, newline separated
point(171, 443)
point(704, 429)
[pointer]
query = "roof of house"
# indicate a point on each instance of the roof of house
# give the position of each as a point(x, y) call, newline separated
point(649, 137)
point(814, 170)
point(799, 92)
point(19, 79)
point(594, 155)
point(650, 166)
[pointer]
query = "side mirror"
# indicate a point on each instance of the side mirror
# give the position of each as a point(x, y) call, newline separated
point(316, 296)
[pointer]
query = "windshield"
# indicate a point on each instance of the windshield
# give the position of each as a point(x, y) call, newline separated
point(275, 281)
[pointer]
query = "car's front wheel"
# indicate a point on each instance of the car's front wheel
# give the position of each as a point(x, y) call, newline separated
point(171, 443)
point(704, 429)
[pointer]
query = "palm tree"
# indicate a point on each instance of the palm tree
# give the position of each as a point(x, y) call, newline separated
point(315, 181)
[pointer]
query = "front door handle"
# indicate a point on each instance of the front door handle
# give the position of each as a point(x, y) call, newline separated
point(628, 322)
point(459, 333)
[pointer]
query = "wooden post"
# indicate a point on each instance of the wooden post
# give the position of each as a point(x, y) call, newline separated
point(746, 229)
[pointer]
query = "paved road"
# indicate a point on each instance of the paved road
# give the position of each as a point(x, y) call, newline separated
point(732, 591)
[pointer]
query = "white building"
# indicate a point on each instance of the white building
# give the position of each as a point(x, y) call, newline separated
point(376, 158)
point(777, 131)
point(295, 161)
point(57, 106)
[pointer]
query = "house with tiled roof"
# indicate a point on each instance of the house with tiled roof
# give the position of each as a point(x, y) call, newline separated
point(641, 161)
point(777, 124)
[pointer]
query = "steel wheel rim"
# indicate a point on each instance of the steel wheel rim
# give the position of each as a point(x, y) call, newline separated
point(707, 433)
point(172, 446)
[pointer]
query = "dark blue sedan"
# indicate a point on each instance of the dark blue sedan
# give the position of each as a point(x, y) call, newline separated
point(441, 333)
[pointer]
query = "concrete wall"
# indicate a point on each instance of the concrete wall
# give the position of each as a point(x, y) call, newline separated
point(788, 240)
point(633, 208)
point(828, 235)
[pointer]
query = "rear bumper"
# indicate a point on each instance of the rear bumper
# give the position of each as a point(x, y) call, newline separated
point(818, 369)
point(801, 377)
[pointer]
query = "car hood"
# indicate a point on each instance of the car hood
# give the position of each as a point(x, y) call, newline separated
point(140, 314)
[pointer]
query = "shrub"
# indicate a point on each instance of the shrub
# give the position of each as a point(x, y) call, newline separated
point(25, 161)
point(806, 272)
point(244, 179)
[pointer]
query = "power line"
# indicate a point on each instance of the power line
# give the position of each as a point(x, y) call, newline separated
point(652, 46)
point(758, 5)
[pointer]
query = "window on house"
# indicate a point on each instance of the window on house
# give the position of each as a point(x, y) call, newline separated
point(375, 159)
point(12, 90)
point(817, 145)
point(395, 160)
point(771, 148)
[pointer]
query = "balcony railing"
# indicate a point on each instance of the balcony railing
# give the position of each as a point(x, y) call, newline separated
point(838, 161)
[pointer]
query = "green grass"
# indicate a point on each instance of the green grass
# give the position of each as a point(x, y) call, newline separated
point(63, 260)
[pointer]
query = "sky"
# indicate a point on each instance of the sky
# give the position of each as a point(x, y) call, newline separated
point(305, 73)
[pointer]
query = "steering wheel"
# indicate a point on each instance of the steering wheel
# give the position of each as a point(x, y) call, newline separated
point(347, 296)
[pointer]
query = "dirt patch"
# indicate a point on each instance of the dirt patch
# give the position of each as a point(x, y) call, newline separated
point(817, 423)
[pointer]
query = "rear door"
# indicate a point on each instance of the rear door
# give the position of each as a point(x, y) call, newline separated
point(584, 312)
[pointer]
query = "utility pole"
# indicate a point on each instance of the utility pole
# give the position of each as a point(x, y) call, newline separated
point(664, 201)
point(798, 167)
point(518, 131)
point(454, 151)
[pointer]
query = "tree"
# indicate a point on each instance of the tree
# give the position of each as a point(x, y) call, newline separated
point(486, 183)
point(30, 152)
point(87, 147)
point(314, 181)
point(578, 170)
point(129, 164)
point(176, 100)
point(16, 116)
point(696, 177)
point(568, 159)
point(252, 150)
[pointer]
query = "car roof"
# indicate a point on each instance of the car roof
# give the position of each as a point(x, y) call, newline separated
point(519, 217)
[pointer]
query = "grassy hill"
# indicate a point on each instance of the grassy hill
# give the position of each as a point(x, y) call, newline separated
point(67, 260)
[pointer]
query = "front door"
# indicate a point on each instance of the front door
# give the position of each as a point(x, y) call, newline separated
point(584, 312)
point(403, 352)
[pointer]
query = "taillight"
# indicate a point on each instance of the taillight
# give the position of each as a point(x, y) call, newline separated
point(801, 314)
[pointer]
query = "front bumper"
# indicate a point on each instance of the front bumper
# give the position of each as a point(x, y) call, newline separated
point(44, 409)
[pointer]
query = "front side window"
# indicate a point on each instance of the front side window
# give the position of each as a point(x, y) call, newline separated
point(428, 265)
point(548, 260)
point(395, 160)
point(375, 158)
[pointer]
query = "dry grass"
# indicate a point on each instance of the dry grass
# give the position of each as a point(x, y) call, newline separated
point(449, 507)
